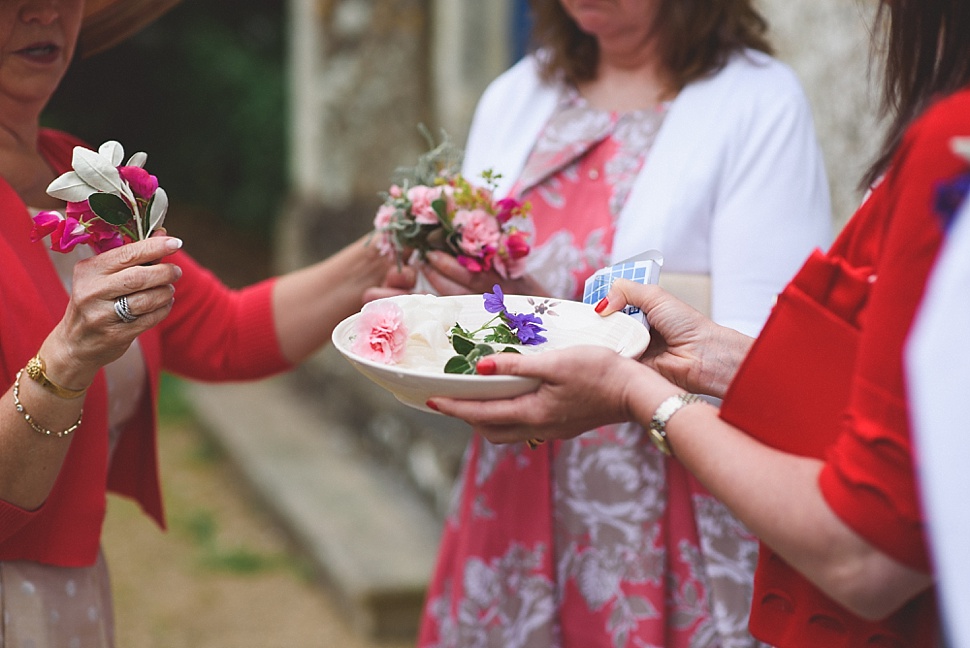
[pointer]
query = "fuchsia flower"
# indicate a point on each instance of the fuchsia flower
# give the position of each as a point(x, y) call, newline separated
point(510, 261)
point(104, 237)
point(142, 183)
point(69, 234)
point(79, 226)
point(80, 210)
point(44, 223)
point(66, 233)
point(517, 245)
point(381, 333)
point(506, 209)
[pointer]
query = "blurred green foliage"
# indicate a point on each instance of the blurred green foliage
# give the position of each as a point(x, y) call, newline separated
point(173, 407)
point(202, 91)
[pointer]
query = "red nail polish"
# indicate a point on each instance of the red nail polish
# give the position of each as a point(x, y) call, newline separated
point(485, 367)
point(601, 305)
point(431, 405)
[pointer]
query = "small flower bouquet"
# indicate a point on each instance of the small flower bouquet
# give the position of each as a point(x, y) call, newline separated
point(108, 204)
point(435, 208)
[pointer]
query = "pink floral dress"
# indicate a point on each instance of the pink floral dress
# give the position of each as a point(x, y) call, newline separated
point(598, 541)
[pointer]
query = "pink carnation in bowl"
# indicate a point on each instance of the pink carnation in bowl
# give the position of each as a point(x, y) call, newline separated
point(381, 335)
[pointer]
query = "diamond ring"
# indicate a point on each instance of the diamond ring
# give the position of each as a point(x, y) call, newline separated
point(122, 310)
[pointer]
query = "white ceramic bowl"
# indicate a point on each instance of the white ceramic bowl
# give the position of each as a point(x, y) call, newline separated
point(567, 323)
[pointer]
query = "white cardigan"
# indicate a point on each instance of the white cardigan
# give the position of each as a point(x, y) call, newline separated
point(734, 186)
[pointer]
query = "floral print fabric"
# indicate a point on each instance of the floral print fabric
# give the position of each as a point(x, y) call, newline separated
point(599, 541)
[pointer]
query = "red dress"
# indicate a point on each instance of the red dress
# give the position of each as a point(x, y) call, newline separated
point(855, 307)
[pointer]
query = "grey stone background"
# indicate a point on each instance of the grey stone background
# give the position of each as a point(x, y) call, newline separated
point(827, 42)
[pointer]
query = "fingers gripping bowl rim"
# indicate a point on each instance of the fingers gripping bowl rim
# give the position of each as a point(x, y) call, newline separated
point(567, 323)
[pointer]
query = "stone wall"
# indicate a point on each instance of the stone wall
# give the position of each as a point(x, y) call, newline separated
point(360, 84)
point(827, 44)
point(358, 88)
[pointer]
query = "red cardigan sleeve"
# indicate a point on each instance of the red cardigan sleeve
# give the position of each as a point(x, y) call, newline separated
point(869, 478)
point(217, 334)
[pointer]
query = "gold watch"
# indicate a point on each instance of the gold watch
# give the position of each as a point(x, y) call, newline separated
point(35, 369)
point(658, 424)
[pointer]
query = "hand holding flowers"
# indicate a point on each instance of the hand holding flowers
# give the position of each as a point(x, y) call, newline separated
point(108, 204)
point(435, 208)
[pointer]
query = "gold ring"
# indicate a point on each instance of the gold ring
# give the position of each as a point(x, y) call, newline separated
point(535, 443)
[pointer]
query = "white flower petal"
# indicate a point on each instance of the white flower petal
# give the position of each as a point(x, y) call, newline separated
point(112, 151)
point(159, 207)
point(70, 187)
point(97, 171)
point(138, 159)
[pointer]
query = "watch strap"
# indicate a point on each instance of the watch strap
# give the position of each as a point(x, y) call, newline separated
point(658, 424)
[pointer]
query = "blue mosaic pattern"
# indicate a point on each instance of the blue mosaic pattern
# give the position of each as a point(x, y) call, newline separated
point(642, 269)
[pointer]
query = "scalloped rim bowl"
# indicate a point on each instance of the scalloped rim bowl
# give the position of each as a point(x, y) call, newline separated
point(567, 323)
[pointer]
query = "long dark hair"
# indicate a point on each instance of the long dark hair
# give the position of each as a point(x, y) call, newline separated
point(927, 57)
point(696, 38)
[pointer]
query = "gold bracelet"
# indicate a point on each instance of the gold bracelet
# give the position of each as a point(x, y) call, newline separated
point(30, 419)
point(35, 369)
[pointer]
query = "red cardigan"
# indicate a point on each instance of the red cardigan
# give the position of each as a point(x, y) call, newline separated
point(212, 334)
point(846, 360)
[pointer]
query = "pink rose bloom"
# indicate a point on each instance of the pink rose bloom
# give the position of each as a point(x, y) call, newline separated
point(421, 198)
point(142, 183)
point(381, 334)
point(479, 230)
point(395, 191)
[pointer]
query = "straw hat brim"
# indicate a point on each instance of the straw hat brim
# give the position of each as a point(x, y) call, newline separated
point(108, 22)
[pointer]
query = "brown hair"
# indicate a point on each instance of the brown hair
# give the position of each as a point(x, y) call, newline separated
point(696, 37)
point(927, 56)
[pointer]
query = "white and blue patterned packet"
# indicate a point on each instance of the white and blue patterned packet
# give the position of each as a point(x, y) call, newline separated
point(643, 268)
